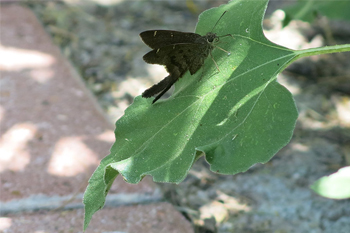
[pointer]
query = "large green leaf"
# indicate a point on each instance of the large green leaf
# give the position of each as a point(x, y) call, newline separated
point(237, 117)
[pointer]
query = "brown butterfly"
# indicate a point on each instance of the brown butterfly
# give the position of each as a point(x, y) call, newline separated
point(178, 52)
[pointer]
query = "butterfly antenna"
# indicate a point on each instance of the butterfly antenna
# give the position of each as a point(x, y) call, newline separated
point(218, 21)
point(226, 35)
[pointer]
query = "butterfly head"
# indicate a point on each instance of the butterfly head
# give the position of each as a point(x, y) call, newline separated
point(211, 38)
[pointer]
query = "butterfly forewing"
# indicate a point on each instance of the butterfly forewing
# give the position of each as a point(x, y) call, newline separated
point(160, 38)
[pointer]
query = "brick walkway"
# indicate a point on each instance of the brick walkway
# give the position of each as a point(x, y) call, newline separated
point(52, 136)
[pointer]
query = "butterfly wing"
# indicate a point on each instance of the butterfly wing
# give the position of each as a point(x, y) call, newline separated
point(182, 56)
point(162, 87)
point(161, 38)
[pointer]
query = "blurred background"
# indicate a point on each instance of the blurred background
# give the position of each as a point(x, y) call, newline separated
point(101, 40)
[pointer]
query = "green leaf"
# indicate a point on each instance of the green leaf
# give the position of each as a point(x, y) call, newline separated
point(308, 10)
point(237, 117)
point(335, 186)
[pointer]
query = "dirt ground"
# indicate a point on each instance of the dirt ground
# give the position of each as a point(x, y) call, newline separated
point(102, 43)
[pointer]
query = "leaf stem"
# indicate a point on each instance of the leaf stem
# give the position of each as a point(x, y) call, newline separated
point(322, 50)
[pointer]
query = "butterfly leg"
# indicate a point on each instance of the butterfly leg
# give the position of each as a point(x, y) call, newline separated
point(212, 58)
point(228, 53)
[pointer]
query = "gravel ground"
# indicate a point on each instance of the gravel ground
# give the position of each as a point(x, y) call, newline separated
point(103, 44)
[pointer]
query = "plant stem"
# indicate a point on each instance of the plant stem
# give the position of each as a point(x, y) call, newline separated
point(322, 50)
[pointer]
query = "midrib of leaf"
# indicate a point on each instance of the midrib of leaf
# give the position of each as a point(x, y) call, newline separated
point(192, 129)
point(144, 145)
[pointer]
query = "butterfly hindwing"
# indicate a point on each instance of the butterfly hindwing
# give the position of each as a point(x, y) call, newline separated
point(184, 56)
